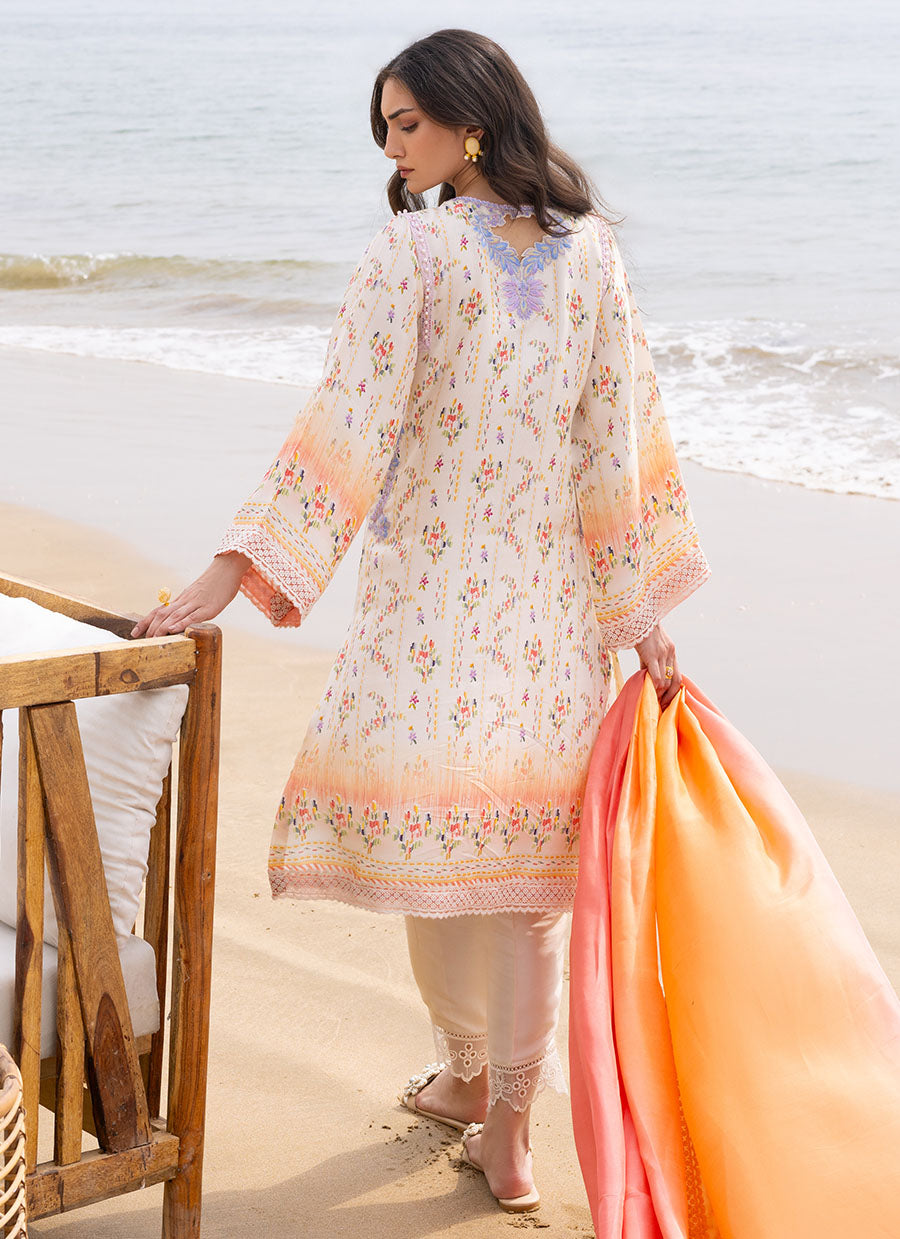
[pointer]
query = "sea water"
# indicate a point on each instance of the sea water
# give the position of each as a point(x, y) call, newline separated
point(191, 185)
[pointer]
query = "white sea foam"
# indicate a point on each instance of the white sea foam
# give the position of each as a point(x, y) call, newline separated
point(760, 397)
point(275, 355)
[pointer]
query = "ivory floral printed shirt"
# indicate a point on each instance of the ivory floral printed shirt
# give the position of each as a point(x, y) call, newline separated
point(496, 422)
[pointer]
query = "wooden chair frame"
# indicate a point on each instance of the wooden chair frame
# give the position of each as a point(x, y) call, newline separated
point(103, 1079)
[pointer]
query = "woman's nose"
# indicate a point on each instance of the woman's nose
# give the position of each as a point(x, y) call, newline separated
point(392, 148)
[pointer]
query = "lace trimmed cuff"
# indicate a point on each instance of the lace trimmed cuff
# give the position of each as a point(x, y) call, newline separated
point(518, 1086)
point(464, 1053)
point(273, 583)
point(687, 575)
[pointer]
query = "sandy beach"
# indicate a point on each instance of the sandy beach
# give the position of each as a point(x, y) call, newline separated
point(316, 1021)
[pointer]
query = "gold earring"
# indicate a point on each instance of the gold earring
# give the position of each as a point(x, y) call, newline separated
point(473, 149)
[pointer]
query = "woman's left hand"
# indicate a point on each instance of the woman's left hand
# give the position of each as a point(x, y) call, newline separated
point(657, 655)
point(202, 600)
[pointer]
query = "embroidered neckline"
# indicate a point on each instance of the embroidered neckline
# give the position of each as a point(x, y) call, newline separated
point(522, 290)
point(525, 208)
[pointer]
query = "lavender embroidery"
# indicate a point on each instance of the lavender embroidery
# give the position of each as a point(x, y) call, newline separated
point(523, 297)
point(523, 289)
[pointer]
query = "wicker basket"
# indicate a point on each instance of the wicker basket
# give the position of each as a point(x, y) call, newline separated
point(12, 1150)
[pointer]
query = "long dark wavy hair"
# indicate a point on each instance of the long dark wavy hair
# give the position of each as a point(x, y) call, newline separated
point(458, 77)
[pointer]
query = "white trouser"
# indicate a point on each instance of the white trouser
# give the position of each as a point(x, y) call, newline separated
point(492, 985)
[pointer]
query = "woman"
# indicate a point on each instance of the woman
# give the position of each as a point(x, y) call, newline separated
point(489, 406)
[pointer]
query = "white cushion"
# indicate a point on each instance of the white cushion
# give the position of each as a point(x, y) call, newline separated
point(127, 741)
point(138, 969)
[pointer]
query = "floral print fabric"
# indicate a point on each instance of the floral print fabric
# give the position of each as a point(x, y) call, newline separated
point(496, 422)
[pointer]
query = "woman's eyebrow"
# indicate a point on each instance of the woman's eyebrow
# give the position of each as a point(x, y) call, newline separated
point(398, 112)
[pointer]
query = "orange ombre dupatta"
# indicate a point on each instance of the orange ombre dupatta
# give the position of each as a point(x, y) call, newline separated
point(734, 1042)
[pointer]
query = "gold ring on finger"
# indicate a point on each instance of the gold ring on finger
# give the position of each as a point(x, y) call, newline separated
point(670, 671)
point(165, 596)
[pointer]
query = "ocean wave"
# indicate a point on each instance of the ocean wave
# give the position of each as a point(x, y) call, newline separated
point(764, 398)
point(746, 396)
point(37, 271)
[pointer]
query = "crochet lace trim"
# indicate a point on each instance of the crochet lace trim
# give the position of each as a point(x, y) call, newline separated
point(658, 601)
point(476, 898)
point(519, 1085)
point(423, 254)
point(275, 584)
point(464, 1053)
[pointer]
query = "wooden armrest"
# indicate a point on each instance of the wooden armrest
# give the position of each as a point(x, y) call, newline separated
point(66, 675)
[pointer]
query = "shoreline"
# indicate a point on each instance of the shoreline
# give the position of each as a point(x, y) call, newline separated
point(11, 352)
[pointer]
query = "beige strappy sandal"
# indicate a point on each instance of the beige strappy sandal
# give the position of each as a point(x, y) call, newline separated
point(510, 1204)
point(415, 1086)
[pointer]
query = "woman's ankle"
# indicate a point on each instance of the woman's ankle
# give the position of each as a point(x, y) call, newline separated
point(508, 1126)
point(474, 1089)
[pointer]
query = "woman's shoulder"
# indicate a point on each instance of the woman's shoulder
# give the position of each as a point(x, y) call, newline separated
point(406, 226)
point(592, 234)
point(603, 241)
point(395, 228)
point(390, 241)
point(434, 216)
point(599, 227)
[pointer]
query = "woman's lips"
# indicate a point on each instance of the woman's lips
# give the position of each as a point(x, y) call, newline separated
point(404, 171)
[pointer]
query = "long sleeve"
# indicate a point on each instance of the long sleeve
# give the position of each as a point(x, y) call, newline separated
point(642, 544)
point(298, 523)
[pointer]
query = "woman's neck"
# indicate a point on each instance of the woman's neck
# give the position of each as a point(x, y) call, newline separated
point(476, 186)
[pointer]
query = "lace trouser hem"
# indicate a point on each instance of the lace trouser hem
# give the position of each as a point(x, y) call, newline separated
point(464, 1054)
point(518, 1085)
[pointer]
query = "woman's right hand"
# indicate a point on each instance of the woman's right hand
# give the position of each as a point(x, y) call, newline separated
point(202, 600)
point(657, 656)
